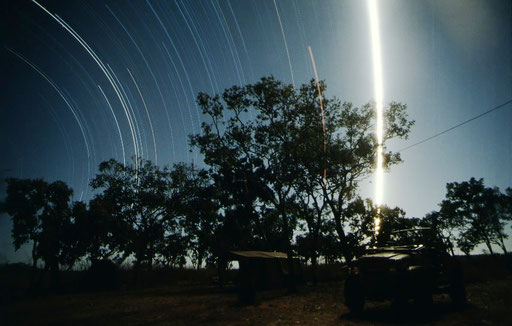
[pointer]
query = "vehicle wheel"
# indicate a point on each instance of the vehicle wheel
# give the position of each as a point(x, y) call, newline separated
point(354, 295)
point(423, 294)
point(399, 302)
point(400, 295)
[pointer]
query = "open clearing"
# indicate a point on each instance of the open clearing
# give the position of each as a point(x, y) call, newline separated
point(489, 303)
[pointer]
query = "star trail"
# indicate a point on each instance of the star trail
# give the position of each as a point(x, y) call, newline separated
point(86, 81)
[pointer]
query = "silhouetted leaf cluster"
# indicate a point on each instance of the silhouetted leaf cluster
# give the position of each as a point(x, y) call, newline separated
point(473, 214)
point(262, 188)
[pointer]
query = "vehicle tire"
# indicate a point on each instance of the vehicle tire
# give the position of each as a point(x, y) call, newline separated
point(354, 294)
point(423, 294)
point(399, 302)
point(400, 295)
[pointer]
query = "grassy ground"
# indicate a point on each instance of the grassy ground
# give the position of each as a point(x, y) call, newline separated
point(489, 304)
point(175, 302)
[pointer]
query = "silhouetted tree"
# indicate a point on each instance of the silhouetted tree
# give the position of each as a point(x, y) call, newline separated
point(141, 200)
point(199, 210)
point(328, 243)
point(507, 204)
point(478, 214)
point(172, 251)
point(311, 208)
point(246, 155)
point(42, 214)
point(308, 244)
point(24, 203)
point(251, 157)
point(275, 156)
point(100, 235)
point(352, 153)
point(444, 227)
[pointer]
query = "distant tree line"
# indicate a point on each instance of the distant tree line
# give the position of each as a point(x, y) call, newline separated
point(266, 152)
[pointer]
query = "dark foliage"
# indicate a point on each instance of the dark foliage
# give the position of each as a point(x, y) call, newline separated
point(274, 180)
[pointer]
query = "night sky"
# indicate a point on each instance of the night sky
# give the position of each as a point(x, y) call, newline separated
point(86, 81)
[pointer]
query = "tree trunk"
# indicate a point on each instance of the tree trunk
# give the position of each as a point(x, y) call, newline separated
point(34, 255)
point(341, 234)
point(292, 288)
point(339, 227)
point(54, 275)
point(450, 244)
point(489, 246)
point(136, 270)
point(314, 267)
point(34, 272)
point(221, 269)
point(314, 250)
point(502, 245)
point(199, 261)
point(151, 254)
point(314, 253)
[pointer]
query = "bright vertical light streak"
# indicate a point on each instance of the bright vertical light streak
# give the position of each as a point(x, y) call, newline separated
point(378, 88)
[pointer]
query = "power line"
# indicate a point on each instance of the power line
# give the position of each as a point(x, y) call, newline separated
point(456, 126)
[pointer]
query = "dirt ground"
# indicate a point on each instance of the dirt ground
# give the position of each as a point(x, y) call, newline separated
point(489, 303)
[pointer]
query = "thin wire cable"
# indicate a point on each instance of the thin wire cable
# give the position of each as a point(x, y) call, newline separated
point(456, 126)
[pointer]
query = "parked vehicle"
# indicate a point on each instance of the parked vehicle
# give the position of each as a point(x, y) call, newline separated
point(412, 264)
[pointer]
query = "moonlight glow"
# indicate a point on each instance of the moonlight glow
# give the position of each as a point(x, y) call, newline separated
point(377, 80)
